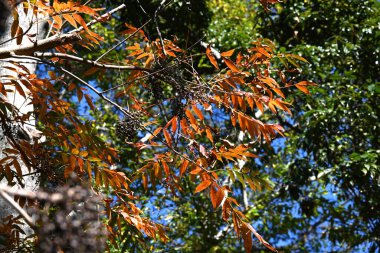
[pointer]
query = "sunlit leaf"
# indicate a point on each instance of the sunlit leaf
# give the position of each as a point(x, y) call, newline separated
point(204, 185)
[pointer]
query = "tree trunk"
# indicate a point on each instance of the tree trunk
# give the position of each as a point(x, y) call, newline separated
point(31, 28)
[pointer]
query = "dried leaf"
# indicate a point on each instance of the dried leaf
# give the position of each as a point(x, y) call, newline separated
point(198, 112)
point(228, 53)
point(217, 196)
point(168, 138)
point(89, 102)
point(230, 65)
point(205, 184)
point(211, 57)
point(184, 166)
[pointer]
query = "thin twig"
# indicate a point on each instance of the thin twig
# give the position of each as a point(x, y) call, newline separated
point(99, 19)
point(18, 208)
point(124, 40)
point(93, 63)
point(157, 28)
point(138, 78)
point(40, 195)
point(117, 106)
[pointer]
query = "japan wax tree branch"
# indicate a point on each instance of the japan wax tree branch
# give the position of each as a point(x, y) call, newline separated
point(55, 40)
point(89, 62)
point(17, 207)
point(117, 106)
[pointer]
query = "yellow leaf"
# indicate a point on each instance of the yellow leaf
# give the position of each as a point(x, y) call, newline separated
point(83, 153)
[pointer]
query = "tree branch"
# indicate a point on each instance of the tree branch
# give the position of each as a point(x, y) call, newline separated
point(18, 208)
point(40, 45)
point(99, 19)
point(117, 106)
point(53, 41)
point(122, 41)
point(51, 197)
point(92, 63)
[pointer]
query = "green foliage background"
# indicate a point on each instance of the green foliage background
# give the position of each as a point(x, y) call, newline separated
point(326, 172)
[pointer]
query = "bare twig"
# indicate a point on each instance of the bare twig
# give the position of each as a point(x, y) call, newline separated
point(99, 19)
point(92, 63)
point(124, 40)
point(51, 197)
point(117, 106)
point(158, 29)
point(18, 208)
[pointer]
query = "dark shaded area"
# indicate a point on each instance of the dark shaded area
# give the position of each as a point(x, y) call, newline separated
point(334, 143)
point(187, 20)
point(4, 13)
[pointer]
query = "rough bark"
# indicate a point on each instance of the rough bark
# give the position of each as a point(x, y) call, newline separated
point(27, 23)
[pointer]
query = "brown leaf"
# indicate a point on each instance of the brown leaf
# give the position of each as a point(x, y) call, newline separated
point(196, 171)
point(230, 64)
point(183, 168)
point(209, 135)
point(228, 53)
point(71, 20)
point(166, 167)
point(211, 57)
point(302, 88)
point(198, 112)
point(89, 102)
point(168, 138)
point(156, 132)
point(247, 238)
point(205, 184)
point(217, 196)
point(191, 117)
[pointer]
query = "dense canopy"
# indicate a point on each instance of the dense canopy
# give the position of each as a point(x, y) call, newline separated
point(181, 126)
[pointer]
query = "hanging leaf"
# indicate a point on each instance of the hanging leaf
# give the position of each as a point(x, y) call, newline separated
point(217, 196)
point(228, 53)
point(230, 65)
point(211, 57)
point(168, 138)
point(89, 102)
point(204, 185)
point(184, 166)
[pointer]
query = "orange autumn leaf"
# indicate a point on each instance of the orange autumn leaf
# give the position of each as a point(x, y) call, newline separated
point(168, 138)
point(204, 185)
point(211, 57)
point(231, 65)
point(217, 196)
point(228, 53)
